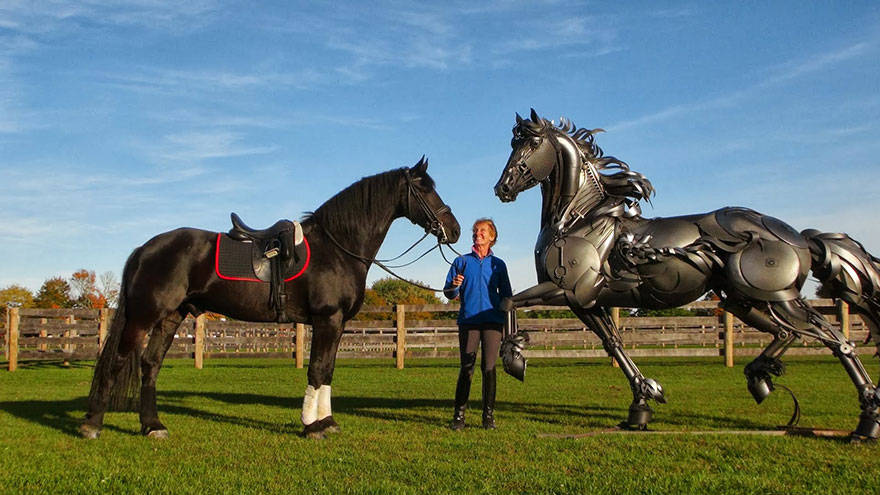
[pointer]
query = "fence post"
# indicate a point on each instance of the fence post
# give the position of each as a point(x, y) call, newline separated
point(43, 334)
point(103, 317)
point(199, 351)
point(6, 335)
point(401, 334)
point(615, 319)
point(843, 317)
point(13, 318)
point(728, 339)
point(300, 344)
point(67, 334)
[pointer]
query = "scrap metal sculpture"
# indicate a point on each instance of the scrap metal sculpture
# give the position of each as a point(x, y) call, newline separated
point(596, 251)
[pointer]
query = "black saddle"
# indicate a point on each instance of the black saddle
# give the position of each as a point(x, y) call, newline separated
point(269, 255)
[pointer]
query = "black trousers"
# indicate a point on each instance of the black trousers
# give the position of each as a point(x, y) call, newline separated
point(469, 338)
point(472, 336)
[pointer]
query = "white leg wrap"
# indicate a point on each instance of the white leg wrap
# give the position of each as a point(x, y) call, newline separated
point(310, 406)
point(324, 401)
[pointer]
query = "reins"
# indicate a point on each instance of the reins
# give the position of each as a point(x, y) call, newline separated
point(435, 226)
point(381, 265)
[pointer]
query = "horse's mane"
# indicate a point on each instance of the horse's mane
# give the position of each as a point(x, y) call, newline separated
point(617, 179)
point(347, 207)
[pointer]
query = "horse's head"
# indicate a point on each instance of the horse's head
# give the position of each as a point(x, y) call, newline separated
point(532, 159)
point(424, 206)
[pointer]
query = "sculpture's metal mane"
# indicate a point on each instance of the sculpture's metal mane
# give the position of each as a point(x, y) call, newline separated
point(624, 183)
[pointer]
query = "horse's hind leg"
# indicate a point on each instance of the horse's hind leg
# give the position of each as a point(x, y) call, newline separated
point(151, 362)
point(643, 389)
point(797, 317)
point(759, 372)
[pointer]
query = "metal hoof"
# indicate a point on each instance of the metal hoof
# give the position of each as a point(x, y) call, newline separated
point(868, 428)
point(626, 425)
point(760, 388)
point(639, 417)
point(89, 432)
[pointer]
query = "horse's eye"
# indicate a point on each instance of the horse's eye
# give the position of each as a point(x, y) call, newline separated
point(534, 142)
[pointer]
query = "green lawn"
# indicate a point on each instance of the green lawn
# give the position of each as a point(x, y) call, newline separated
point(234, 429)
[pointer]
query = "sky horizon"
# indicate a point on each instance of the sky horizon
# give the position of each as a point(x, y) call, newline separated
point(123, 120)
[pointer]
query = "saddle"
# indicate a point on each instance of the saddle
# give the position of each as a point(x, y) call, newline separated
point(274, 255)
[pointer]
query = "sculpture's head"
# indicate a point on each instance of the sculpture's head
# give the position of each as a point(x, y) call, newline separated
point(532, 158)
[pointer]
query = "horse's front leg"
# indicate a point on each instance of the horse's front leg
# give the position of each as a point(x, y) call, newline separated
point(317, 416)
point(643, 389)
point(543, 293)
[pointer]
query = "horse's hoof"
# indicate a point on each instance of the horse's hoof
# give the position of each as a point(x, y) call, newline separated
point(314, 431)
point(158, 434)
point(90, 432)
point(328, 425)
point(314, 435)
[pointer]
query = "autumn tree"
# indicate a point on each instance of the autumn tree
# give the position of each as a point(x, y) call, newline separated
point(17, 295)
point(85, 290)
point(54, 293)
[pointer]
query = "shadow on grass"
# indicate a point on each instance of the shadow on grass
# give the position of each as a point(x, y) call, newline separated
point(66, 416)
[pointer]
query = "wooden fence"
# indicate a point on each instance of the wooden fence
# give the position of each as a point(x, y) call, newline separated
point(64, 334)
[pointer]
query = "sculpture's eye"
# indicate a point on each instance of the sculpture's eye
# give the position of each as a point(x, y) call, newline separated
point(535, 142)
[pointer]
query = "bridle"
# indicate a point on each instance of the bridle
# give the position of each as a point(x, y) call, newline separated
point(434, 226)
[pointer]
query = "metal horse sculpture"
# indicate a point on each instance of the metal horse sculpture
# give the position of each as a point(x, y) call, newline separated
point(596, 251)
point(173, 275)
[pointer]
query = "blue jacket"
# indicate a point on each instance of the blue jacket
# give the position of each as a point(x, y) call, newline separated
point(485, 283)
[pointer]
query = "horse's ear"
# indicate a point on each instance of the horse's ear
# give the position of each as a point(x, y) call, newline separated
point(422, 166)
point(535, 117)
point(518, 119)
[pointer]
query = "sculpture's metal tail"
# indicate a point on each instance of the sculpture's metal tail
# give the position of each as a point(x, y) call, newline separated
point(847, 271)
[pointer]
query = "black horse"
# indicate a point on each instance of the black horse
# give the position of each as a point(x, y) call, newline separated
point(173, 275)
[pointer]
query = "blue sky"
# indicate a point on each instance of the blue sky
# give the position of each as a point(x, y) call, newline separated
point(123, 119)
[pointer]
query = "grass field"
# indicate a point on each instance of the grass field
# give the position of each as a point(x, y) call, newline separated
point(234, 429)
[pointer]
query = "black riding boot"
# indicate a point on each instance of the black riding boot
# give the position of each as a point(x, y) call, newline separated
point(489, 399)
point(462, 392)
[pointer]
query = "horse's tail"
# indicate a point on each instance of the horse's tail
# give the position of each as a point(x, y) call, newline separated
point(849, 272)
point(120, 373)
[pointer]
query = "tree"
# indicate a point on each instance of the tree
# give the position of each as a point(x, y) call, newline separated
point(389, 291)
point(54, 293)
point(109, 288)
point(395, 291)
point(17, 295)
point(85, 290)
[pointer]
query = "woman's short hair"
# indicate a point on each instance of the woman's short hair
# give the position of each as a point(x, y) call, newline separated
point(491, 224)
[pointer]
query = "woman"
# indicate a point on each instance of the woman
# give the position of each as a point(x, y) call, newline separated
point(480, 281)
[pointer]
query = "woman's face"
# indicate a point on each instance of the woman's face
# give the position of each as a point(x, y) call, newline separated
point(483, 235)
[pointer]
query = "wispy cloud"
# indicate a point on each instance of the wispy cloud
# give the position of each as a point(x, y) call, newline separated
point(777, 77)
point(594, 35)
point(197, 146)
point(66, 16)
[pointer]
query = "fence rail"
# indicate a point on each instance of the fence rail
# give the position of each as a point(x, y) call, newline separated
point(78, 334)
